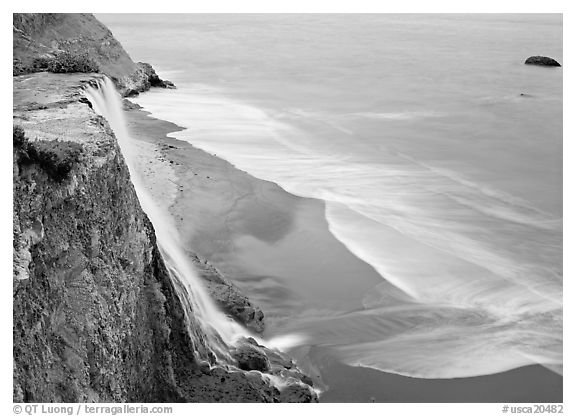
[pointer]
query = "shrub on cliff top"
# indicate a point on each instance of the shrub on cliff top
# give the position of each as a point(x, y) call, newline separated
point(41, 63)
point(67, 62)
point(56, 158)
point(19, 140)
point(20, 145)
point(18, 68)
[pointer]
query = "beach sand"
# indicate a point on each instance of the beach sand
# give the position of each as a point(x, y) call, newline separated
point(278, 249)
point(250, 229)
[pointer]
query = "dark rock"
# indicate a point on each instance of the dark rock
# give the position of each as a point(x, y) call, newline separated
point(526, 95)
point(204, 367)
point(86, 101)
point(141, 79)
point(306, 379)
point(131, 93)
point(229, 298)
point(542, 61)
point(280, 360)
point(252, 341)
point(129, 105)
point(279, 364)
point(152, 78)
point(298, 394)
point(283, 367)
point(251, 357)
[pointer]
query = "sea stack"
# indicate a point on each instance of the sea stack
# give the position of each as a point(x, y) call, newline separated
point(542, 61)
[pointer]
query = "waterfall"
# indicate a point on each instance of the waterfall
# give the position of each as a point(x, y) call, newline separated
point(220, 331)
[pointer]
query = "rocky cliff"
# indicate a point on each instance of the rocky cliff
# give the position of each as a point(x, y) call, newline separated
point(41, 36)
point(96, 315)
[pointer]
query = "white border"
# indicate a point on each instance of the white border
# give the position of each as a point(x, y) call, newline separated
point(336, 6)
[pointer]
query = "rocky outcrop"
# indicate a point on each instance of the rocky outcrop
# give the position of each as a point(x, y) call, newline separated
point(251, 357)
point(129, 105)
point(142, 80)
point(97, 316)
point(228, 297)
point(542, 61)
point(45, 35)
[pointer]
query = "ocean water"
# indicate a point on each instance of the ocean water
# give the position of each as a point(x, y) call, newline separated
point(437, 152)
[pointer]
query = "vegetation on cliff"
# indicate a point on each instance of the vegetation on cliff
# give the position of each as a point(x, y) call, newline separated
point(56, 158)
point(66, 62)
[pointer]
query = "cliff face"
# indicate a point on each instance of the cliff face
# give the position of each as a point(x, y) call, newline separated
point(91, 293)
point(44, 35)
point(96, 315)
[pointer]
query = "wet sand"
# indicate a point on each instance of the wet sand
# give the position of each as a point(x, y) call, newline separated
point(278, 249)
point(253, 231)
point(532, 384)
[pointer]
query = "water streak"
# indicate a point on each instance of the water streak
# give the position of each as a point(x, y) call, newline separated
point(479, 268)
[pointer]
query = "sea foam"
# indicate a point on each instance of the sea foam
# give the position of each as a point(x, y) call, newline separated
point(479, 268)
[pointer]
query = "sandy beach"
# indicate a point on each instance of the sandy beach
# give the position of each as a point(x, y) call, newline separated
point(278, 249)
point(248, 228)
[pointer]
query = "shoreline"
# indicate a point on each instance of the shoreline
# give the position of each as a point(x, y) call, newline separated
point(222, 211)
point(160, 176)
point(271, 221)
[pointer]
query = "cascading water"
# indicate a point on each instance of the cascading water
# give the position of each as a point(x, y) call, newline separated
point(220, 331)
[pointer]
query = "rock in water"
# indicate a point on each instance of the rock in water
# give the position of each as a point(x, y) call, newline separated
point(542, 61)
point(151, 79)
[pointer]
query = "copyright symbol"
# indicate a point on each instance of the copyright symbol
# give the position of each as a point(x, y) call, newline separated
point(17, 409)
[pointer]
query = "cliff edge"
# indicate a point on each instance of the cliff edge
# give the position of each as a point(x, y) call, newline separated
point(96, 315)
